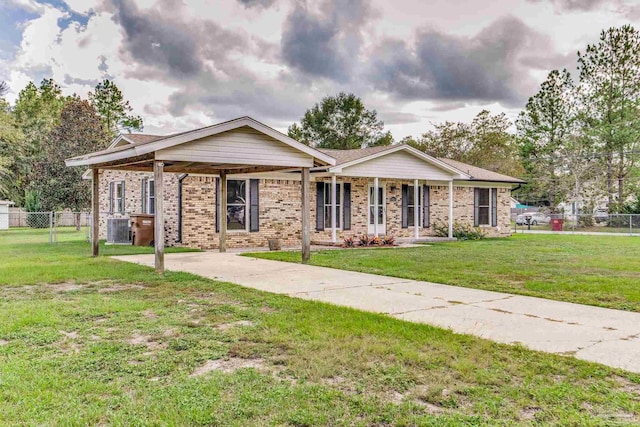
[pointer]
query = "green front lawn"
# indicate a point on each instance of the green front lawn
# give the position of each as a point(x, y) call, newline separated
point(595, 270)
point(88, 341)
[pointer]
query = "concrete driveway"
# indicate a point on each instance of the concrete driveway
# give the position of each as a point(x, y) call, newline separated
point(610, 337)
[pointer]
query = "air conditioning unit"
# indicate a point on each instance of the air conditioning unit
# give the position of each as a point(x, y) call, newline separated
point(118, 231)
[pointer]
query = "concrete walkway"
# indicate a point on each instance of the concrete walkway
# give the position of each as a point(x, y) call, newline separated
point(610, 337)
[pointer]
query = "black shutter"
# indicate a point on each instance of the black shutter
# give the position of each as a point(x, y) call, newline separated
point(346, 208)
point(425, 206)
point(254, 205)
point(111, 189)
point(476, 210)
point(319, 206)
point(405, 203)
point(143, 193)
point(217, 205)
point(124, 200)
point(494, 207)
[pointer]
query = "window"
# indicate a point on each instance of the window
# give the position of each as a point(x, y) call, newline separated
point(237, 204)
point(483, 206)
point(116, 200)
point(151, 197)
point(328, 204)
point(411, 205)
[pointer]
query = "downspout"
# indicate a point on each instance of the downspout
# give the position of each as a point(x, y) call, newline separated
point(180, 179)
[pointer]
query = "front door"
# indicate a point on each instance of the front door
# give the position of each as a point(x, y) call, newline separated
point(381, 216)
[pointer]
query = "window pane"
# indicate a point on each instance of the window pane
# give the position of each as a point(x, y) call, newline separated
point(236, 192)
point(371, 215)
point(119, 190)
point(235, 218)
point(152, 205)
point(410, 195)
point(483, 197)
point(337, 216)
point(410, 212)
point(327, 216)
point(152, 188)
point(483, 216)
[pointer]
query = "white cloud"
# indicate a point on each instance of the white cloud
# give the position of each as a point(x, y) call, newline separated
point(83, 6)
point(28, 5)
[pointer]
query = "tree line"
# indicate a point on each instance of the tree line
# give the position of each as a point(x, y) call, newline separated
point(43, 128)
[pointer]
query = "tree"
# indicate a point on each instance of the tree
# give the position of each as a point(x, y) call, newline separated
point(485, 142)
point(80, 131)
point(11, 151)
point(4, 88)
point(340, 122)
point(545, 128)
point(36, 113)
point(113, 109)
point(610, 94)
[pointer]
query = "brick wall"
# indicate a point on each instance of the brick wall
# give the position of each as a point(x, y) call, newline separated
point(133, 200)
point(280, 212)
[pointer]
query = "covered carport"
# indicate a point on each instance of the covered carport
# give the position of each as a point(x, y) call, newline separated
point(240, 146)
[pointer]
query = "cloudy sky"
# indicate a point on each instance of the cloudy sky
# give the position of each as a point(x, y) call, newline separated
point(189, 63)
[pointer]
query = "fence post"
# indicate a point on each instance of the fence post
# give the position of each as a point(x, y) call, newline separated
point(50, 227)
point(630, 225)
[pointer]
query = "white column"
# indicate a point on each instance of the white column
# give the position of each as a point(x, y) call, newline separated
point(451, 209)
point(416, 209)
point(333, 208)
point(376, 203)
point(158, 238)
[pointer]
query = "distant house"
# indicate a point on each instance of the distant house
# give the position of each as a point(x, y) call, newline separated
point(395, 190)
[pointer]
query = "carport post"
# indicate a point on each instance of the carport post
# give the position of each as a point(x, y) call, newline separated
point(333, 207)
point(306, 216)
point(376, 204)
point(223, 211)
point(451, 209)
point(158, 238)
point(95, 207)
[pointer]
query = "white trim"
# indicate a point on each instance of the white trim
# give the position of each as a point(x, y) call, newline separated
point(403, 147)
point(334, 203)
point(172, 141)
point(247, 206)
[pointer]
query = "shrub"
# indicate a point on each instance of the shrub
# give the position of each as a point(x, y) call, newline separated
point(375, 241)
point(32, 204)
point(460, 231)
point(388, 240)
point(364, 240)
point(349, 242)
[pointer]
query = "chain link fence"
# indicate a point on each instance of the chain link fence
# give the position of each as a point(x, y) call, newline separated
point(17, 226)
point(528, 221)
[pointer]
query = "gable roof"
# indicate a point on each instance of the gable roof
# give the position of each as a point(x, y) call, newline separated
point(480, 174)
point(143, 144)
point(473, 173)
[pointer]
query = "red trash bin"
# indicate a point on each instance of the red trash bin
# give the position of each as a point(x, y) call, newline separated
point(556, 224)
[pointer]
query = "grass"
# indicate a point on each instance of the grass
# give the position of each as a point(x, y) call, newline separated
point(595, 270)
point(88, 341)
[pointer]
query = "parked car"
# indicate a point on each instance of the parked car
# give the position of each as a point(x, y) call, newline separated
point(535, 218)
point(600, 215)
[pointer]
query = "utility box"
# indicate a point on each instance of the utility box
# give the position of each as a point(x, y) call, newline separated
point(142, 229)
point(118, 232)
point(556, 224)
point(4, 214)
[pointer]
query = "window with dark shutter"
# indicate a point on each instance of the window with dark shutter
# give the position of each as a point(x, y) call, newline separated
point(143, 195)
point(405, 206)
point(319, 206)
point(426, 199)
point(346, 209)
point(482, 206)
point(254, 205)
point(111, 196)
point(494, 207)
